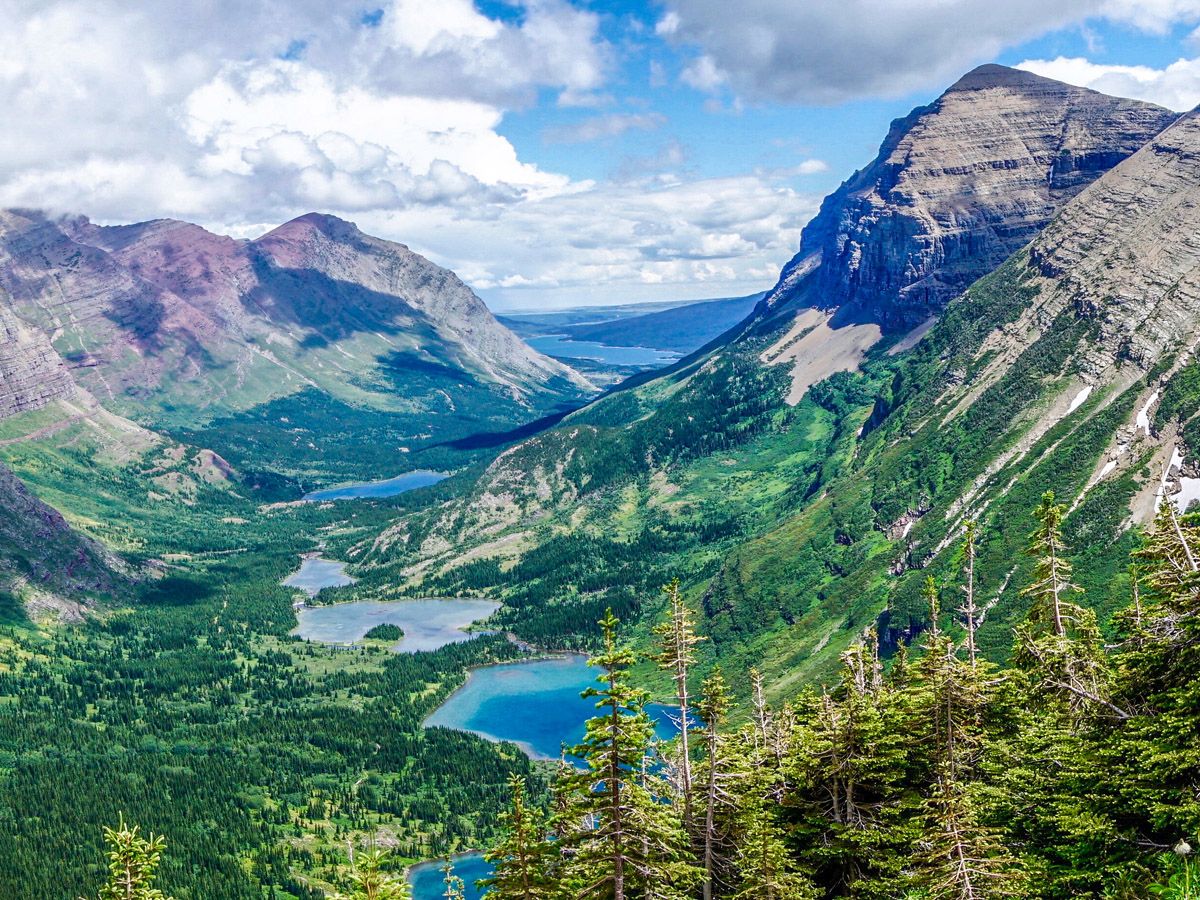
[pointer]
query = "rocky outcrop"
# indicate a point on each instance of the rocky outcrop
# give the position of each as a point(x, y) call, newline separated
point(958, 186)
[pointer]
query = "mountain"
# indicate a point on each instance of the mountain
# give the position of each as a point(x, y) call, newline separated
point(44, 563)
point(315, 321)
point(958, 186)
point(797, 517)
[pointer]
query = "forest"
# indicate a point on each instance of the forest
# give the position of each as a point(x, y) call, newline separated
point(1071, 772)
point(927, 774)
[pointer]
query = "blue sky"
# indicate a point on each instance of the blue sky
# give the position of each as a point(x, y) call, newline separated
point(551, 152)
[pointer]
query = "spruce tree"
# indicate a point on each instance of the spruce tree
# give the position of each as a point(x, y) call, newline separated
point(622, 841)
point(524, 859)
point(1059, 644)
point(132, 864)
point(453, 886)
point(372, 882)
point(678, 640)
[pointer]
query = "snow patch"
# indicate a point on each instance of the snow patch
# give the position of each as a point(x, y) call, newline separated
point(1189, 493)
point(1108, 467)
point(1142, 423)
point(1080, 399)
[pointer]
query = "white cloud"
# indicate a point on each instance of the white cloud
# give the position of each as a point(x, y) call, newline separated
point(829, 51)
point(601, 127)
point(1176, 87)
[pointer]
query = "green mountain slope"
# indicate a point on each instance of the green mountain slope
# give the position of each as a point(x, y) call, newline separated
point(804, 477)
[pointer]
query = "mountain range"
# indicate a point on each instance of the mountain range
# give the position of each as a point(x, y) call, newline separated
point(1001, 302)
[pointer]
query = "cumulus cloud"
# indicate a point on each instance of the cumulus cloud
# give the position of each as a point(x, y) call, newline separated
point(1176, 87)
point(829, 51)
point(239, 115)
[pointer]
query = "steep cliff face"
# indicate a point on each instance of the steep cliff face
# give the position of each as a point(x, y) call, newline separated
point(957, 187)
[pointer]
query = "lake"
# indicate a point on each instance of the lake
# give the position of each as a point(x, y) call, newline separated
point(427, 624)
point(389, 487)
point(316, 573)
point(426, 878)
point(534, 703)
point(559, 345)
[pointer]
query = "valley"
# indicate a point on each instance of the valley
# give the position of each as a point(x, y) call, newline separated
point(304, 552)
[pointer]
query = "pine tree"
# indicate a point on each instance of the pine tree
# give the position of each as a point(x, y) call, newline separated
point(132, 864)
point(523, 859)
point(713, 708)
point(969, 611)
point(454, 888)
point(965, 859)
point(678, 640)
point(623, 841)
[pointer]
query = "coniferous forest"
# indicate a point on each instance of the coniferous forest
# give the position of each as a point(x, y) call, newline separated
point(933, 774)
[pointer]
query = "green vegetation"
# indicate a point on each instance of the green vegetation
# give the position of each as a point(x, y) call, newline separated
point(935, 775)
point(385, 632)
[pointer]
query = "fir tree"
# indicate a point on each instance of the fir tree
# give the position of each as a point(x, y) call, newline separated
point(454, 888)
point(1059, 641)
point(372, 882)
point(678, 640)
point(623, 841)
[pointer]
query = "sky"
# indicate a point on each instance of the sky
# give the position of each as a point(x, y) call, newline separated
point(551, 152)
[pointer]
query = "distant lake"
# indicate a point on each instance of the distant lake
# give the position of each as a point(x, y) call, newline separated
point(559, 345)
point(535, 704)
point(426, 878)
point(316, 573)
point(387, 488)
point(427, 624)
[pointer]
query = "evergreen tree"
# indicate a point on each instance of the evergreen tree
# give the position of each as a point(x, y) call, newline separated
point(523, 860)
point(1059, 641)
point(372, 882)
point(623, 841)
point(454, 888)
point(132, 864)
point(714, 706)
point(678, 640)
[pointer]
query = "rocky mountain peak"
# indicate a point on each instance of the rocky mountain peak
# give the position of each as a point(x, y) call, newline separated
point(957, 187)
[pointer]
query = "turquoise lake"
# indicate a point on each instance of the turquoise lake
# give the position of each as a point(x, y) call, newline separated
point(426, 878)
point(427, 624)
point(316, 573)
point(389, 487)
point(535, 704)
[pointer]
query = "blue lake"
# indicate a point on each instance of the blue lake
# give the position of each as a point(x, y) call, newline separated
point(559, 345)
point(535, 704)
point(427, 624)
point(316, 573)
point(387, 488)
point(426, 878)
